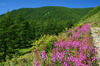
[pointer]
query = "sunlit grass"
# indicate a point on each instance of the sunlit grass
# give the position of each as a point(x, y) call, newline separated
point(94, 20)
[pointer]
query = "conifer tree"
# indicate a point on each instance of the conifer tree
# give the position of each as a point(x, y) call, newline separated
point(32, 29)
point(5, 23)
point(19, 24)
point(37, 30)
point(25, 33)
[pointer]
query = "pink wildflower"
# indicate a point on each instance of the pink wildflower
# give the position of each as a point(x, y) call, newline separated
point(44, 55)
point(36, 63)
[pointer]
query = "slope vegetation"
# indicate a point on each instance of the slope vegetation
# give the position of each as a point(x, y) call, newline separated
point(73, 48)
point(90, 13)
point(94, 20)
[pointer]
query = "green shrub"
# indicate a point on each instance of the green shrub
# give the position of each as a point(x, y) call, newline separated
point(49, 44)
point(2, 64)
point(69, 33)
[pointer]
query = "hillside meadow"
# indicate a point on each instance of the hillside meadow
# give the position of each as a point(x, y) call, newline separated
point(74, 47)
point(48, 36)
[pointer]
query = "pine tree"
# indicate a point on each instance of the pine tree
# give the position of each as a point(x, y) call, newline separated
point(19, 24)
point(5, 23)
point(32, 29)
point(37, 30)
point(26, 33)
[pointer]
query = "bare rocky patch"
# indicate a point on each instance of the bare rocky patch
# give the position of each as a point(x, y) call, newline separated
point(96, 40)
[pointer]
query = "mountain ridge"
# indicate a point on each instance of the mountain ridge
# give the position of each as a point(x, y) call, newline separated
point(56, 12)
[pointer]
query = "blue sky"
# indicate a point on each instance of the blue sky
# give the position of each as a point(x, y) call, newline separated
point(10, 5)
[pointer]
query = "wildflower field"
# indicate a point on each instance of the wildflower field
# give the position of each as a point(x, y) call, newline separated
point(73, 48)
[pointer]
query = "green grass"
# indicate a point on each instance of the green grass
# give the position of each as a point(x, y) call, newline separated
point(93, 20)
point(26, 50)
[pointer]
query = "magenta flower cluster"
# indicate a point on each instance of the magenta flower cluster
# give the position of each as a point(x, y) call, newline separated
point(44, 56)
point(76, 50)
point(36, 63)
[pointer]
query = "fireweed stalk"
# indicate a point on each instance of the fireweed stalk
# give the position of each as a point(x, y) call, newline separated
point(37, 62)
point(44, 58)
point(53, 57)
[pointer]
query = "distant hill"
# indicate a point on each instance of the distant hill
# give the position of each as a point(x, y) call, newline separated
point(55, 12)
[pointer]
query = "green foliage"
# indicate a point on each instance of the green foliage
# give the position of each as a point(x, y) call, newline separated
point(94, 20)
point(69, 33)
point(49, 44)
point(13, 34)
point(70, 23)
point(37, 30)
point(5, 33)
point(32, 29)
point(2, 64)
point(99, 15)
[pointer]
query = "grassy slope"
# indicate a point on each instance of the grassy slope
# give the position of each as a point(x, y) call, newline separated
point(91, 13)
point(94, 20)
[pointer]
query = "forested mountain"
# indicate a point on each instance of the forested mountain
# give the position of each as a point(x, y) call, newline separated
point(55, 12)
